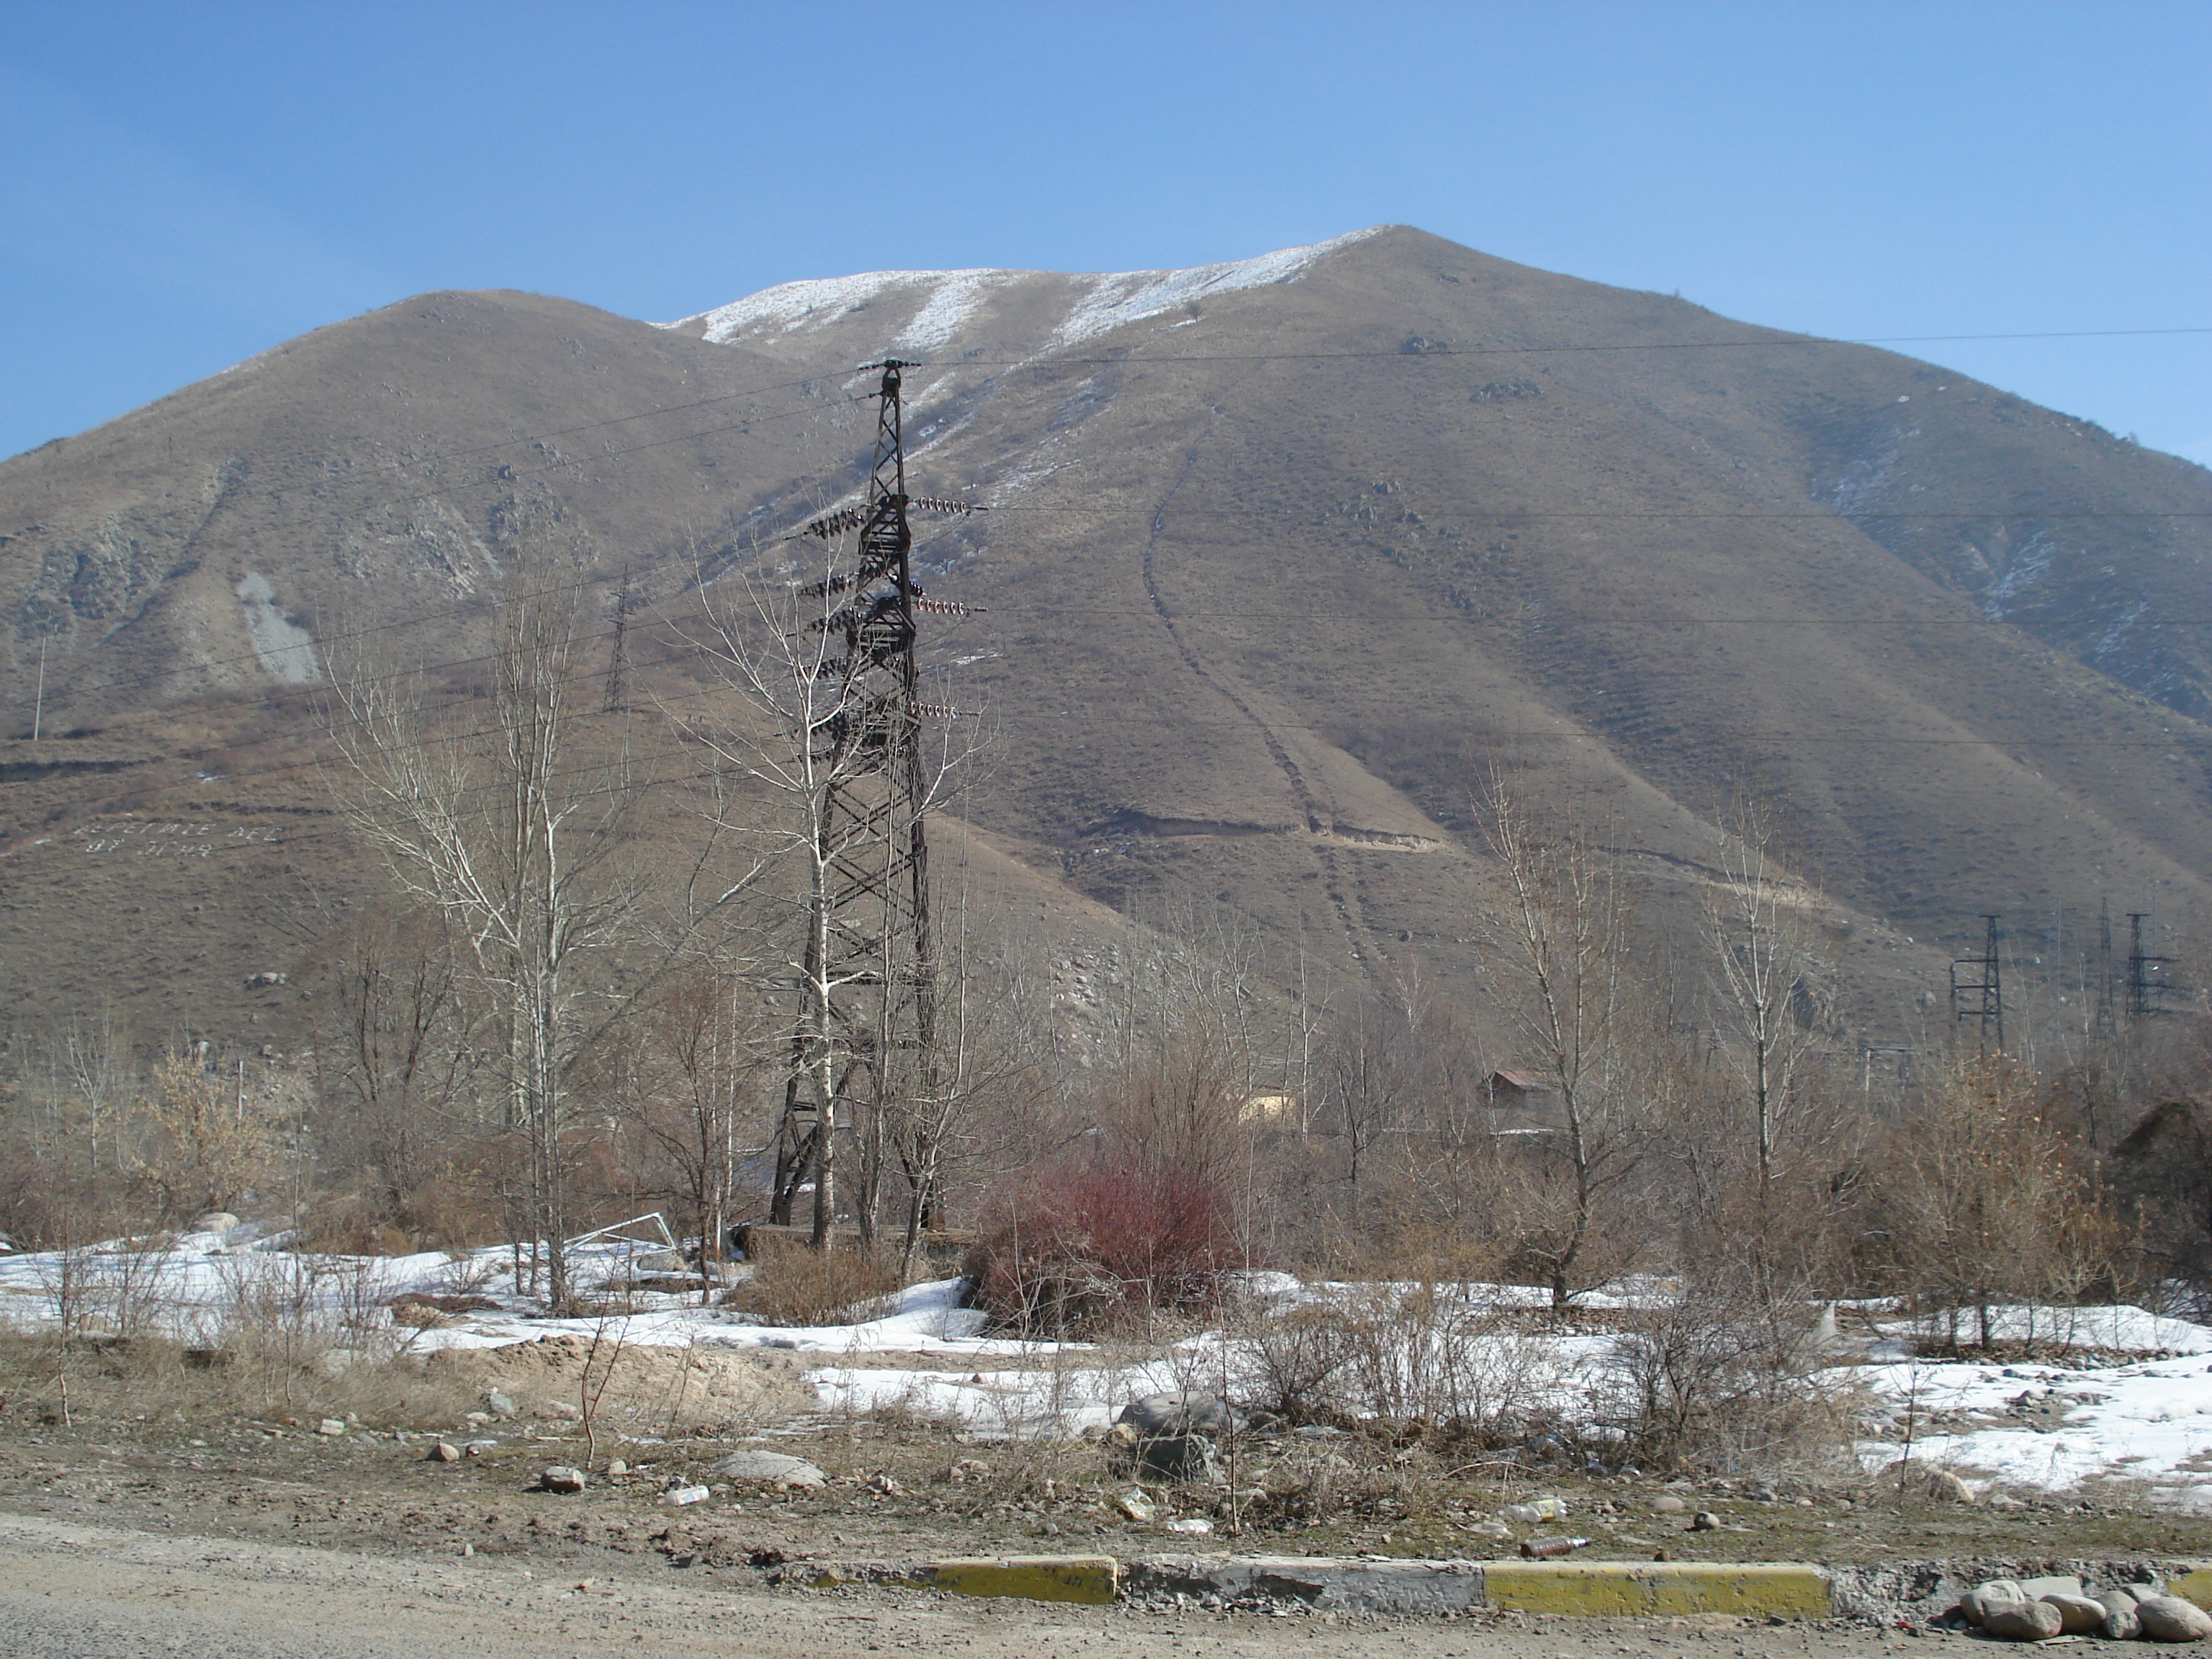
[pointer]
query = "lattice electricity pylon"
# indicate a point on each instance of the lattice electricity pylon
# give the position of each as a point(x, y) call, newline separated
point(2149, 980)
point(1978, 990)
point(867, 743)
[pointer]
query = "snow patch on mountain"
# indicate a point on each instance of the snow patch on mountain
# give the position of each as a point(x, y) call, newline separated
point(789, 305)
point(946, 299)
point(1130, 296)
point(954, 301)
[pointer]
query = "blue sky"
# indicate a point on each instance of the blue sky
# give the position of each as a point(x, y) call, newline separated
point(184, 184)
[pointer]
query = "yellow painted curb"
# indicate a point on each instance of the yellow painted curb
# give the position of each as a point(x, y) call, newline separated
point(1089, 1578)
point(2195, 1585)
point(1783, 1588)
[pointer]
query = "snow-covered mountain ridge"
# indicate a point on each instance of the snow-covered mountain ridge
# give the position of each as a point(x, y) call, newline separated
point(938, 302)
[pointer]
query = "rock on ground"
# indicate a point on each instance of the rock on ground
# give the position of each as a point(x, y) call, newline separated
point(1914, 1477)
point(1178, 1412)
point(2170, 1618)
point(560, 1478)
point(2023, 1621)
point(777, 1466)
point(1976, 1601)
point(2078, 1615)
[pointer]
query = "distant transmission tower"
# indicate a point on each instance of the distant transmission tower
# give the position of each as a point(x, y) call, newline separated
point(619, 659)
point(2146, 975)
point(882, 1020)
point(2106, 1029)
point(1978, 990)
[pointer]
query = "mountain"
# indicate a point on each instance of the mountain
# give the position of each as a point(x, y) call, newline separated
point(1276, 551)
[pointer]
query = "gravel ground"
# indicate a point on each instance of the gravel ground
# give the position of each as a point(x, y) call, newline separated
point(72, 1590)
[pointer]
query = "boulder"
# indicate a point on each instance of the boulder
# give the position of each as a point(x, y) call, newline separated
point(2023, 1621)
point(1976, 1602)
point(2078, 1615)
point(775, 1467)
point(2170, 1618)
point(1180, 1411)
point(1176, 1457)
point(444, 1452)
point(2122, 1623)
point(216, 1221)
point(559, 1477)
point(1668, 1503)
point(331, 1425)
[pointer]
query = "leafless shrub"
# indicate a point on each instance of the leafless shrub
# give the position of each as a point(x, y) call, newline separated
point(1085, 1247)
point(1717, 1380)
point(794, 1285)
point(1433, 1353)
point(1985, 1201)
point(1296, 1358)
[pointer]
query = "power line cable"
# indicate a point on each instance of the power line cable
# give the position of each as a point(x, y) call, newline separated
point(1042, 360)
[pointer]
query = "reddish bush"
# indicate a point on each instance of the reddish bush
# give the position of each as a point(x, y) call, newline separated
point(1082, 1246)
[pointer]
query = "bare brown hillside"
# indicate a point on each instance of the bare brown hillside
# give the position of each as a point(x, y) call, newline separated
point(1275, 550)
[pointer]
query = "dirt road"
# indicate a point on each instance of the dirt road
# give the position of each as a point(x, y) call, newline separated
point(74, 1591)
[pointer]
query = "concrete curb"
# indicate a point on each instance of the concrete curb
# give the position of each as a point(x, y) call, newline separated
point(1093, 1579)
point(1772, 1589)
point(1598, 1588)
point(1755, 1589)
point(1323, 1583)
point(1090, 1579)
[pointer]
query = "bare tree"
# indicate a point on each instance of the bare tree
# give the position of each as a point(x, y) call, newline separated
point(393, 1052)
point(1563, 943)
point(992, 1052)
point(1772, 988)
point(829, 801)
point(1370, 1082)
point(513, 827)
point(708, 1047)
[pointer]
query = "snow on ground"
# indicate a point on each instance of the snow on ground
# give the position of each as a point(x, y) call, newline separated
point(943, 299)
point(1130, 296)
point(2033, 1427)
point(2147, 1421)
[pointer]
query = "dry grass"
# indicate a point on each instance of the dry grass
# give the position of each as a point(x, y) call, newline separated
point(152, 1379)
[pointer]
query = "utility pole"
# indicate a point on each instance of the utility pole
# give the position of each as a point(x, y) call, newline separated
point(1978, 990)
point(882, 1019)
